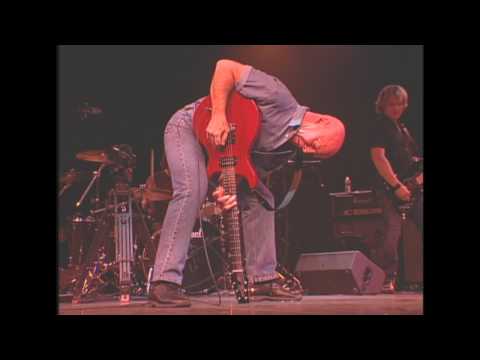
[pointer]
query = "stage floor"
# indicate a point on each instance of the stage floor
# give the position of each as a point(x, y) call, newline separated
point(402, 303)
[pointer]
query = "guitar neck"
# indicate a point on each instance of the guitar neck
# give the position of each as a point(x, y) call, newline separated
point(234, 238)
point(232, 221)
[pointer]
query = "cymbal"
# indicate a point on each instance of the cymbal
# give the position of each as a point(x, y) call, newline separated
point(99, 156)
point(70, 176)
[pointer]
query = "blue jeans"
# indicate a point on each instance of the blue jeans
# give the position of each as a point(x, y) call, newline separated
point(187, 165)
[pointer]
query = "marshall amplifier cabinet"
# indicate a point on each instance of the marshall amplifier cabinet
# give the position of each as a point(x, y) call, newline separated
point(357, 221)
point(356, 203)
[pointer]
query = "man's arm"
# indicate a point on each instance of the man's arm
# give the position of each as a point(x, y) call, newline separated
point(385, 170)
point(383, 166)
point(227, 73)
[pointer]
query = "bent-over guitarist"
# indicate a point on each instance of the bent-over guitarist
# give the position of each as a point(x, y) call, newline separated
point(284, 123)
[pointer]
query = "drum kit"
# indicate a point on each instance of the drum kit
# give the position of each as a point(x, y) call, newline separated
point(109, 230)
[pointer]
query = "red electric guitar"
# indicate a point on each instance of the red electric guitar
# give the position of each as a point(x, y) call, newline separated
point(232, 162)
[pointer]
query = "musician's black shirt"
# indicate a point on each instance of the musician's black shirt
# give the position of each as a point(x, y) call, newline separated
point(400, 148)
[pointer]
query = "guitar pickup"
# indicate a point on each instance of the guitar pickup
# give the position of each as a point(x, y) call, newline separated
point(230, 161)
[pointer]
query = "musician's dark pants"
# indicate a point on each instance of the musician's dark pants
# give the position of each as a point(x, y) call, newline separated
point(416, 213)
point(187, 166)
point(387, 255)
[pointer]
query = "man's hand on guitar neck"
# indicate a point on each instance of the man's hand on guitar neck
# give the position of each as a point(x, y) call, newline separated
point(217, 129)
point(403, 193)
point(224, 202)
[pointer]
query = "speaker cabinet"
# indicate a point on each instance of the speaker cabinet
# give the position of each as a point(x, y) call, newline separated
point(346, 272)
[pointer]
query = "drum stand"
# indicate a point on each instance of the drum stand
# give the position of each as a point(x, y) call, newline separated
point(77, 244)
point(123, 239)
point(123, 265)
point(67, 181)
point(95, 178)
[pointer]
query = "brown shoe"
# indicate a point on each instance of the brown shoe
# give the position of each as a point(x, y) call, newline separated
point(274, 290)
point(166, 294)
point(389, 286)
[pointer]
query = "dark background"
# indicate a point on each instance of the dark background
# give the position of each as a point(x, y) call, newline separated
point(139, 87)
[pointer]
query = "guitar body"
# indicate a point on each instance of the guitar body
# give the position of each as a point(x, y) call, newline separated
point(232, 162)
point(415, 189)
point(244, 115)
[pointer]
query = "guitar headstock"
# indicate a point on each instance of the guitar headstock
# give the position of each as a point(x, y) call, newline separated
point(241, 291)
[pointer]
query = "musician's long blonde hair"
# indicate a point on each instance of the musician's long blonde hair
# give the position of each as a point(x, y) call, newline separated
point(386, 93)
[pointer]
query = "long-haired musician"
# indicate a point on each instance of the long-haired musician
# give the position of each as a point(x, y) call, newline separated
point(396, 158)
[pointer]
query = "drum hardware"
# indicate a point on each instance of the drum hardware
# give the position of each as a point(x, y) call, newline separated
point(67, 180)
point(123, 239)
point(111, 263)
point(137, 194)
point(152, 162)
point(158, 187)
point(109, 207)
point(114, 250)
point(120, 233)
point(120, 271)
point(82, 233)
point(157, 195)
point(97, 156)
point(121, 156)
point(95, 177)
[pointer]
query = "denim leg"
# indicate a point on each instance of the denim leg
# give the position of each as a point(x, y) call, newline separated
point(187, 166)
point(259, 239)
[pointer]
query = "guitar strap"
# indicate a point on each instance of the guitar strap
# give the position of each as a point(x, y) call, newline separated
point(297, 162)
point(411, 142)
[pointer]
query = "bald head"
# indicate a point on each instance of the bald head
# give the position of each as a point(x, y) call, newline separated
point(320, 135)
